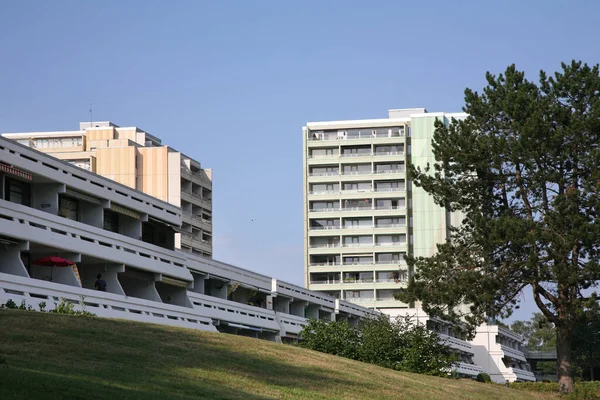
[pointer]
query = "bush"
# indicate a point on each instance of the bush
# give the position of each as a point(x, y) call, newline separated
point(337, 338)
point(582, 390)
point(483, 377)
point(67, 307)
point(398, 344)
point(10, 304)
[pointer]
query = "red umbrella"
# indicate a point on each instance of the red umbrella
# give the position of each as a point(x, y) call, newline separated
point(52, 261)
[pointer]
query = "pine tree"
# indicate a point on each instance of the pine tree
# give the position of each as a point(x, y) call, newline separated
point(523, 169)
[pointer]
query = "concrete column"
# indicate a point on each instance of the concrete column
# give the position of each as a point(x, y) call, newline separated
point(10, 261)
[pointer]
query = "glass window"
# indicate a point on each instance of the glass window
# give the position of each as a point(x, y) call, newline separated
point(68, 208)
point(18, 191)
point(111, 221)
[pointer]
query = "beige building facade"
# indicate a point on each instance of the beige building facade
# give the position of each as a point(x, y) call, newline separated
point(362, 215)
point(139, 160)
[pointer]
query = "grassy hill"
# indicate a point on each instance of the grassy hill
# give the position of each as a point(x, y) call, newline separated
point(49, 356)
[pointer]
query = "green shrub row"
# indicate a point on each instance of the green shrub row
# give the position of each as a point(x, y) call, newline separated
point(64, 307)
point(582, 391)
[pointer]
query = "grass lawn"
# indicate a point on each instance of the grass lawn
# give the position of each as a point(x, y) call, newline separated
point(49, 356)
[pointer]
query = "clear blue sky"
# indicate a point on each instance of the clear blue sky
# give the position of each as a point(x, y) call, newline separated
point(231, 83)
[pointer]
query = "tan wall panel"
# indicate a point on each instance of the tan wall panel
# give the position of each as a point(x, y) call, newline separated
point(117, 164)
point(126, 133)
point(153, 171)
point(174, 178)
point(100, 133)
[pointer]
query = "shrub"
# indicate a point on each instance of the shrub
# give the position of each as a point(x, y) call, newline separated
point(483, 377)
point(398, 344)
point(337, 338)
point(582, 390)
point(67, 307)
point(10, 304)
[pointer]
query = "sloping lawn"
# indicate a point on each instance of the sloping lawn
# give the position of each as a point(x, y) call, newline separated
point(50, 356)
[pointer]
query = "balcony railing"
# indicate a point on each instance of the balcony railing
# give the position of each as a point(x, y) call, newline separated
point(374, 154)
point(400, 279)
point(323, 174)
point(359, 299)
point(359, 136)
point(390, 244)
point(391, 189)
point(344, 281)
point(318, 192)
point(390, 171)
point(358, 245)
point(324, 246)
point(349, 264)
point(39, 226)
point(378, 208)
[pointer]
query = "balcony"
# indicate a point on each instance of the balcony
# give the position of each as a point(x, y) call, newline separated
point(104, 304)
point(468, 369)
point(354, 157)
point(28, 224)
point(522, 374)
point(513, 353)
point(231, 311)
point(357, 245)
point(357, 136)
point(316, 174)
point(195, 198)
point(455, 343)
point(390, 244)
point(196, 177)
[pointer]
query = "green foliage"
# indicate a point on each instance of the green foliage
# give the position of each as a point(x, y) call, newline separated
point(398, 344)
point(10, 304)
point(422, 351)
point(67, 307)
point(42, 306)
point(538, 333)
point(582, 390)
point(337, 338)
point(523, 170)
point(483, 377)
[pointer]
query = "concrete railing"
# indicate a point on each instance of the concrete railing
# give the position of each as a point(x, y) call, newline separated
point(516, 354)
point(468, 369)
point(456, 343)
point(103, 304)
point(231, 311)
point(26, 223)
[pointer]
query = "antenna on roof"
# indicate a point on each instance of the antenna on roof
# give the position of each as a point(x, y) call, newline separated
point(91, 120)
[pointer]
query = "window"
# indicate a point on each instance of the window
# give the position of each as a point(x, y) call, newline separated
point(58, 142)
point(68, 208)
point(84, 163)
point(18, 191)
point(111, 221)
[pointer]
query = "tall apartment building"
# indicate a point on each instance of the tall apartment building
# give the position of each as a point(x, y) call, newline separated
point(135, 158)
point(362, 216)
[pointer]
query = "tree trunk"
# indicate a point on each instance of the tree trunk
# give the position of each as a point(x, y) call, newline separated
point(564, 358)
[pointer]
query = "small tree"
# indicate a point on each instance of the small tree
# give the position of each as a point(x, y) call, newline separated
point(523, 169)
point(381, 342)
point(423, 351)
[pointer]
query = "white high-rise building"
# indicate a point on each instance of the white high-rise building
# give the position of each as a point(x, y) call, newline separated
point(362, 216)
